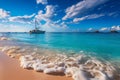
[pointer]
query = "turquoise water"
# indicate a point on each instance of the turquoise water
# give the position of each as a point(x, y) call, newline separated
point(104, 45)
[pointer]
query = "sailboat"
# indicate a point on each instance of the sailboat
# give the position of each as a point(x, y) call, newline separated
point(36, 30)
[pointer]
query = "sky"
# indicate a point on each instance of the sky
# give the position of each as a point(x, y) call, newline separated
point(59, 15)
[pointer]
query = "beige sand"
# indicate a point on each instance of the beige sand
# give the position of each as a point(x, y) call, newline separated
point(10, 70)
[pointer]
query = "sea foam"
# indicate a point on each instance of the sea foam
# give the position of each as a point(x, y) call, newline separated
point(79, 67)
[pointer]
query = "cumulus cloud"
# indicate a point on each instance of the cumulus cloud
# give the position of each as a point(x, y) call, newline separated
point(47, 15)
point(53, 27)
point(92, 16)
point(41, 2)
point(22, 19)
point(14, 28)
point(105, 29)
point(4, 13)
point(117, 28)
point(81, 7)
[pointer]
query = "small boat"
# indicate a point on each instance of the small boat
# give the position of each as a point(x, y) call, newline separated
point(36, 30)
point(113, 31)
point(96, 31)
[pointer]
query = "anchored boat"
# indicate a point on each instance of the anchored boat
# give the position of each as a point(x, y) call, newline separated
point(36, 30)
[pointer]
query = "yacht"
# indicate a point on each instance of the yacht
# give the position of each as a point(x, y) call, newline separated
point(36, 30)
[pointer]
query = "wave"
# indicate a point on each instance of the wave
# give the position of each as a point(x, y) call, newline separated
point(76, 66)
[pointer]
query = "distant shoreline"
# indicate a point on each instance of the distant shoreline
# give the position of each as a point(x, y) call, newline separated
point(68, 32)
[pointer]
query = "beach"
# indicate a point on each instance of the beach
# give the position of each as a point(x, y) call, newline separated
point(30, 62)
point(59, 40)
point(10, 70)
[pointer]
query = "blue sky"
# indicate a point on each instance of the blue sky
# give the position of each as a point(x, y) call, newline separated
point(59, 15)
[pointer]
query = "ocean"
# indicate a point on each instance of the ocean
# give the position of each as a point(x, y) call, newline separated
point(100, 45)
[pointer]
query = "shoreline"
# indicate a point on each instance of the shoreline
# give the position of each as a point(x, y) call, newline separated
point(50, 66)
point(10, 70)
point(65, 67)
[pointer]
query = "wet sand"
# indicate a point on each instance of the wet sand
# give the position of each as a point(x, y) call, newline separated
point(10, 70)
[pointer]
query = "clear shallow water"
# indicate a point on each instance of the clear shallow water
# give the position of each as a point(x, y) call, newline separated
point(103, 45)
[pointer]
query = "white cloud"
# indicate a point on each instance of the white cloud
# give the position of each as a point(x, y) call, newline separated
point(104, 29)
point(79, 19)
point(22, 19)
point(47, 15)
point(117, 28)
point(58, 21)
point(42, 2)
point(90, 29)
point(14, 28)
point(81, 7)
point(3, 13)
point(92, 16)
point(50, 11)
point(107, 29)
point(50, 25)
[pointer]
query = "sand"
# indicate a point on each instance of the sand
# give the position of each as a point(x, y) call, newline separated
point(10, 70)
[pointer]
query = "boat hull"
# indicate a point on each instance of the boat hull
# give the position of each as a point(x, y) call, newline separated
point(37, 32)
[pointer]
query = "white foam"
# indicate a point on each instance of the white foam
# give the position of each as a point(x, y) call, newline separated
point(80, 75)
point(77, 66)
point(26, 64)
point(69, 72)
point(100, 75)
point(60, 64)
point(60, 69)
point(26, 61)
point(5, 49)
point(4, 38)
point(38, 67)
point(50, 70)
point(54, 70)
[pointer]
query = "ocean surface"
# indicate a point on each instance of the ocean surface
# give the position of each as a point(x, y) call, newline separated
point(101, 45)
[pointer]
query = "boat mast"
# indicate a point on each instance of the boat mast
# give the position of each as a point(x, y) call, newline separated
point(35, 24)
